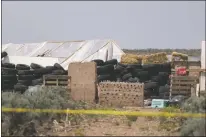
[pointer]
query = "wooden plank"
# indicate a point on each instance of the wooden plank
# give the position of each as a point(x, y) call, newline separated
point(184, 78)
point(56, 77)
point(54, 82)
point(192, 70)
point(180, 87)
point(183, 82)
point(186, 93)
point(197, 63)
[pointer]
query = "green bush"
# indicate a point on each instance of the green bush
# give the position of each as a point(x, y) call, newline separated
point(195, 104)
point(37, 98)
point(194, 126)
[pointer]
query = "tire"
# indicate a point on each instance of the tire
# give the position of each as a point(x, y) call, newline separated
point(122, 65)
point(25, 82)
point(164, 95)
point(125, 71)
point(37, 82)
point(8, 65)
point(51, 67)
point(148, 92)
point(25, 72)
point(126, 76)
point(150, 68)
point(150, 85)
point(119, 68)
point(135, 72)
point(119, 80)
point(136, 79)
point(36, 76)
point(107, 69)
point(8, 71)
point(103, 78)
point(3, 54)
point(99, 62)
point(130, 68)
point(111, 62)
point(35, 66)
point(143, 76)
point(133, 80)
point(20, 88)
point(155, 78)
point(58, 66)
point(59, 72)
point(42, 71)
point(25, 77)
point(163, 89)
point(166, 66)
point(9, 82)
point(9, 77)
point(7, 87)
point(135, 66)
point(164, 74)
point(147, 66)
point(22, 67)
point(113, 77)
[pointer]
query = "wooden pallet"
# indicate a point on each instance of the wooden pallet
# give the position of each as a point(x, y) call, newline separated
point(56, 80)
point(193, 67)
point(192, 70)
point(186, 64)
point(183, 85)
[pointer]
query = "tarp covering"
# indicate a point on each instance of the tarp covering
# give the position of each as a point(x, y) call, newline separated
point(67, 52)
point(46, 61)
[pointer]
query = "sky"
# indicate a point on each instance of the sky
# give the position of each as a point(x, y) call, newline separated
point(133, 25)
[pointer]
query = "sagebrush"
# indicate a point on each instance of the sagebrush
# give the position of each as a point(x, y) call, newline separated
point(37, 98)
point(194, 126)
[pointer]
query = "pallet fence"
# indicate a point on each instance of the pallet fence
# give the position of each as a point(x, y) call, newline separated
point(56, 80)
point(183, 85)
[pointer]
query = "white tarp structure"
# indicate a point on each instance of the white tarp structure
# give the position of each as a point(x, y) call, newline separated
point(46, 61)
point(65, 52)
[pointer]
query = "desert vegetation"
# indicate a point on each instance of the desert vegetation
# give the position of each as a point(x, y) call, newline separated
point(189, 52)
point(59, 98)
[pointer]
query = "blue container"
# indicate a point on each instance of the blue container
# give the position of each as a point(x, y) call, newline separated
point(158, 103)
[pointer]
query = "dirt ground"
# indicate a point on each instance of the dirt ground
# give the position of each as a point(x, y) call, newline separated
point(111, 126)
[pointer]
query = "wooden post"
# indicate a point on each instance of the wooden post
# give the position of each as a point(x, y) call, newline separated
point(44, 83)
point(193, 90)
point(203, 66)
point(198, 90)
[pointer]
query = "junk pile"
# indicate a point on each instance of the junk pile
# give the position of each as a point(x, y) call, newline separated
point(19, 77)
point(154, 76)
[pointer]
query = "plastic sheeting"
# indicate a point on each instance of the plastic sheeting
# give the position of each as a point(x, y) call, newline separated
point(43, 61)
point(67, 52)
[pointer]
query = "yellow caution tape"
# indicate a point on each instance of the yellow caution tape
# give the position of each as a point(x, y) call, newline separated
point(107, 112)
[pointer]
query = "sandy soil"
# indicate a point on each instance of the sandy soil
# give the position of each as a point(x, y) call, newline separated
point(112, 126)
